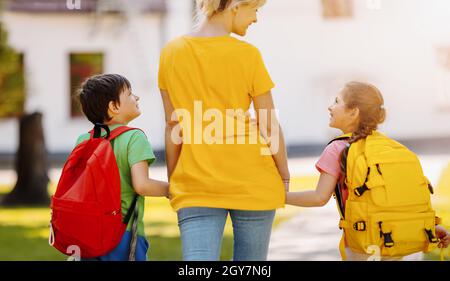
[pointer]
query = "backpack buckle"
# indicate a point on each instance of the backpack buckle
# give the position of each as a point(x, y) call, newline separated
point(360, 190)
point(431, 236)
point(387, 237)
point(388, 242)
point(359, 226)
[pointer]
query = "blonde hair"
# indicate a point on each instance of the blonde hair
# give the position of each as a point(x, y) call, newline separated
point(370, 103)
point(205, 9)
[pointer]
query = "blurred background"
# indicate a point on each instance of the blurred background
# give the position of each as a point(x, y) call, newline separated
point(311, 49)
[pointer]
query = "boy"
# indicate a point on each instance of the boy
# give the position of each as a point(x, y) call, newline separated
point(108, 99)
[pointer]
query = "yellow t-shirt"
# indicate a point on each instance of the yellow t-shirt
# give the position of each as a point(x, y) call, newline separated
point(209, 80)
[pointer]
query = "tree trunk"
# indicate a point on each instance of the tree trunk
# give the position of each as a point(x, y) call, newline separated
point(31, 165)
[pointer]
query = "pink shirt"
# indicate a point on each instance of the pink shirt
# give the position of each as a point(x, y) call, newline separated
point(329, 161)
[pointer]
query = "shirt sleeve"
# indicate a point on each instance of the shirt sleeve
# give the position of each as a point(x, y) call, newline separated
point(330, 160)
point(261, 82)
point(81, 139)
point(162, 71)
point(140, 149)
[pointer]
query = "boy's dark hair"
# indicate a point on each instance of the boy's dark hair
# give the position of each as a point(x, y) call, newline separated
point(96, 93)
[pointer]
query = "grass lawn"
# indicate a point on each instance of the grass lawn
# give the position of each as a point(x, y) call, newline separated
point(24, 231)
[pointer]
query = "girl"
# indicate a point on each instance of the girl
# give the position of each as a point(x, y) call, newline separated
point(358, 109)
point(213, 71)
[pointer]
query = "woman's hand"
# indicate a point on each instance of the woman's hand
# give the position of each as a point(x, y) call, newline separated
point(286, 183)
point(443, 235)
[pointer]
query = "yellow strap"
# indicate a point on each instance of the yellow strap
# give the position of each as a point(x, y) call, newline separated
point(342, 247)
point(375, 180)
point(344, 224)
point(442, 254)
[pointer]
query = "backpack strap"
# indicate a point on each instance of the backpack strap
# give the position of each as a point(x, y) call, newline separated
point(130, 212)
point(110, 135)
point(343, 137)
point(120, 130)
point(134, 234)
point(339, 200)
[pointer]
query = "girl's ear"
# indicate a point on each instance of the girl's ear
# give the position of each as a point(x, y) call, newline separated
point(355, 113)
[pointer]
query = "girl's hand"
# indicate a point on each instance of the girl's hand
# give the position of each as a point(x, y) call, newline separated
point(443, 235)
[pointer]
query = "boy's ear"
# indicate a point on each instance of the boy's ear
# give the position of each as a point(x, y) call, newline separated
point(113, 109)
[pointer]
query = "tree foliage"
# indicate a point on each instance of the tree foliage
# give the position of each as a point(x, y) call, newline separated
point(12, 82)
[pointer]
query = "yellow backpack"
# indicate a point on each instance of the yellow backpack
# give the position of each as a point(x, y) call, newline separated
point(388, 209)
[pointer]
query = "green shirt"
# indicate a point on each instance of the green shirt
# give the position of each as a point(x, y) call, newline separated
point(129, 148)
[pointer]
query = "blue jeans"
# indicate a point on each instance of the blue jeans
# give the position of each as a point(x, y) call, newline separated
point(201, 232)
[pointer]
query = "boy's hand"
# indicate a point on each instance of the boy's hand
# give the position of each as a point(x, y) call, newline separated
point(443, 235)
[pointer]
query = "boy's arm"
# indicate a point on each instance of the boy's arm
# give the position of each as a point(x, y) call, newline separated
point(314, 198)
point(145, 186)
point(173, 149)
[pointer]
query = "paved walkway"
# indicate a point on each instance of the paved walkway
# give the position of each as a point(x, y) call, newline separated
point(312, 235)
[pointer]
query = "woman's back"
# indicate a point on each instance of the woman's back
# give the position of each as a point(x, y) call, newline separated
point(211, 81)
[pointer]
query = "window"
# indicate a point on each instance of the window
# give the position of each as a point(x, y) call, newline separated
point(12, 84)
point(82, 66)
point(443, 78)
point(337, 9)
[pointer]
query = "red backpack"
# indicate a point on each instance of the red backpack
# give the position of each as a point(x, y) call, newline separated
point(86, 208)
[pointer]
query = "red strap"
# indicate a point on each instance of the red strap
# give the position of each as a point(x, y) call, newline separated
point(117, 132)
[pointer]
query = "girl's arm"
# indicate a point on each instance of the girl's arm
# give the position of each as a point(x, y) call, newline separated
point(275, 139)
point(172, 149)
point(145, 186)
point(314, 198)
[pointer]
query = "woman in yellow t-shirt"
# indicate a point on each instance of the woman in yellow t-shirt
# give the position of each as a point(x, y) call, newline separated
point(219, 160)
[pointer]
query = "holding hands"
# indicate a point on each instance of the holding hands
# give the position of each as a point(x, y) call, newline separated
point(443, 235)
